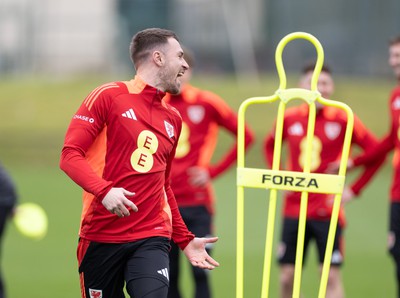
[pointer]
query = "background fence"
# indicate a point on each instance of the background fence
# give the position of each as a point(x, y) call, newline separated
point(70, 36)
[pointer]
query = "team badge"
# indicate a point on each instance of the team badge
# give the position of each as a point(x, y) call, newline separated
point(95, 293)
point(196, 114)
point(296, 129)
point(169, 129)
point(332, 130)
point(396, 103)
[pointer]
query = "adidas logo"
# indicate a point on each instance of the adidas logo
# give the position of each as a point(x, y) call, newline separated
point(129, 114)
point(163, 272)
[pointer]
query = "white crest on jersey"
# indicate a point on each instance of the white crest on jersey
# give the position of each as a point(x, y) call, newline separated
point(296, 129)
point(169, 129)
point(396, 103)
point(196, 113)
point(332, 130)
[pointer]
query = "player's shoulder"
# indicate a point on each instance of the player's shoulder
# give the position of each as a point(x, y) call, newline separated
point(334, 113)
point(210, 97)
point(296, 111)
point(110, 88)
point(395, 94)
point(396, 89)
point(213, 102)
point(103, 93)
point(172, 110)
point(339, 115)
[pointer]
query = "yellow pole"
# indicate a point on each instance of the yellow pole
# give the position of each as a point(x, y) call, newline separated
point(285, 95)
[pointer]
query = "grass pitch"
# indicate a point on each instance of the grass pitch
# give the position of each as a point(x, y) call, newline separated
point(34, 115)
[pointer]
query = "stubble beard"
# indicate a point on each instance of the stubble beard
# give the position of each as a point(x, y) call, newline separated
point(173, 88)
point(170, 84)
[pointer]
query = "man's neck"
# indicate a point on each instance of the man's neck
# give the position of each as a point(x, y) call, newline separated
point(147, 76)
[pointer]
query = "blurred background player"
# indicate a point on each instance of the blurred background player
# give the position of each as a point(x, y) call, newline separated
point(8, 200)
point(388, 143)
point(330, 126)
point(203, 112)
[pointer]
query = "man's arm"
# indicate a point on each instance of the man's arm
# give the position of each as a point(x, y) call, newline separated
point(192, 247)
point(269, 144)
point(87, 130)
point(82, 133)
point(180, 233)
point(227, 119)
point(375, 153)
point(366, 140)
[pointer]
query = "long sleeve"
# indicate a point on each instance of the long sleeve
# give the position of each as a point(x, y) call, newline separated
point(83, 153)
point(75, 165)
point(180, 233)
point(365, 140)
point(230, 156)
point(227, 119)
point(269, 149)
point(371, 155)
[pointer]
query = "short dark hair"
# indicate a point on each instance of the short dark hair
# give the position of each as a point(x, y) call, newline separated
point(145, 40)
point(394, 40)
point(311, 66)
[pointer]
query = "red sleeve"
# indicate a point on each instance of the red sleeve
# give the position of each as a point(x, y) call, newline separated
point(230, 156)
point(180, 233)
point(269, 144)
point(365, 140)
point(85, 128)
point(372, 154)
point(386, 145)
point(228, 120)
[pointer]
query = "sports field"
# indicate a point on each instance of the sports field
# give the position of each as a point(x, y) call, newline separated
point(34, 114)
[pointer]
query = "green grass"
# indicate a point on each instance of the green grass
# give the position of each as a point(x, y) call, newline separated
point(34, 115)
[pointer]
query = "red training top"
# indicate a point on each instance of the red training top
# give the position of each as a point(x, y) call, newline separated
point(125, 135)
point(330, 127)
point(202, 112)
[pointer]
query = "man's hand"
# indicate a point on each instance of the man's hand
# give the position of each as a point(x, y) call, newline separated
point(197, 255)
point(333, 167)
point(116, 201)
point(198, 176)
point(347, 196)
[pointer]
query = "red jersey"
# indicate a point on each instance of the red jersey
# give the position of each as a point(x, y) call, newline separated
point(202, 112)
point(330, 127)
point(125, 135)
point(388, 143)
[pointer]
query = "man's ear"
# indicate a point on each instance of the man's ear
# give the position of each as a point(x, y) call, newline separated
point(158, 58)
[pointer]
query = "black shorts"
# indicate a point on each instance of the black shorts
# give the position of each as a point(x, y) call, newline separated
point(315, 229)
point(198, 220)
point(105, 267)
point(394, 230)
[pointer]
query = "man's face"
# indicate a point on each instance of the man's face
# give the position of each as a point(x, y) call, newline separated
point(173, 68)
point(394, 59)
point(325, 83)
